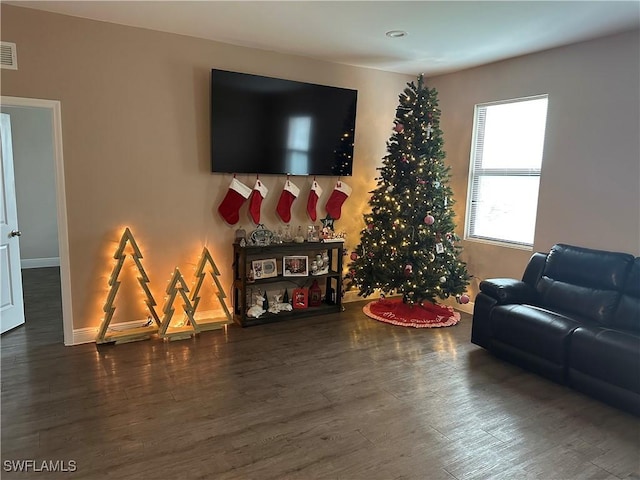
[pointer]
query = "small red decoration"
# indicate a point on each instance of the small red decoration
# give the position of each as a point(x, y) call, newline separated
point(429, 219)
point(399, 127)
point(354, 256)
point(464, 298)
point(300, 298)
point(408, 270)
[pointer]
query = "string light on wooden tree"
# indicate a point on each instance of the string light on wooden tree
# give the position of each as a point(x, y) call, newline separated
point(185, 328)
point(200, 274)
point(107, 334)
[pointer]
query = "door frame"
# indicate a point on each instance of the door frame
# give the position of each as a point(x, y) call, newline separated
point(61, 204)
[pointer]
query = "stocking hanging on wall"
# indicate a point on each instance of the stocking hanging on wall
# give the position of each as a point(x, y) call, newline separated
point(259, 193)
point(334, 204)
point(236, 195)
point(312, 201)
point(288, 195)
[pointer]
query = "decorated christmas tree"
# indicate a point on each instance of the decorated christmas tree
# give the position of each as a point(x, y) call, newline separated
point(408, 245)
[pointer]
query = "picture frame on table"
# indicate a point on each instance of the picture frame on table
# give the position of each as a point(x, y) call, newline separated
point(266, 268)
point(313, 233)
point(295, 266)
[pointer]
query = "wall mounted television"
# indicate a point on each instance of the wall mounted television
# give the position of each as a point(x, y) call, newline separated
point(267, 125)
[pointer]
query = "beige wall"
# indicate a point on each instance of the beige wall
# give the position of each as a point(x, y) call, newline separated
point(135, 119)
point(590, 183)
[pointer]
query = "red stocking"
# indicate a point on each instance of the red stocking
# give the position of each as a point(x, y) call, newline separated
point(236, 195)
point(312, 201)
point(288, 195)
point(334, 205)
point(260, 191)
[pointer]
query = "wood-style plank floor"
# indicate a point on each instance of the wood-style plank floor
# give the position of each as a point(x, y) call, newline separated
point(334, 397)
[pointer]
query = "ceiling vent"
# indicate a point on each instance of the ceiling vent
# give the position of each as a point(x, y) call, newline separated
point(8, 56)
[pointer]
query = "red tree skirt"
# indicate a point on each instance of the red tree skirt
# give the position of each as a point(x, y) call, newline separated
point(425, 315)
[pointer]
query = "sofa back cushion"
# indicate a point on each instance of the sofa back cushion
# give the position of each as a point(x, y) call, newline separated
point(627, 316)
point(584, 282)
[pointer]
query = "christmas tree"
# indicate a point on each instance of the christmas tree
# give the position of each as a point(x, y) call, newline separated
point(408, 245)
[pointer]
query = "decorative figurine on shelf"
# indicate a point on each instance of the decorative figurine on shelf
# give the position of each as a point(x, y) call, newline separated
point(315, 295)
point(275, 306)
point(299, 238)
point(277, 237)
point(240, 236)
point(256, 310)
point(279, 306)
point(261, 236)
point(287, 237)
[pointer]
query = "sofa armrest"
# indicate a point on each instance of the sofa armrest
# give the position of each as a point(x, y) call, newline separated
point(508, 290)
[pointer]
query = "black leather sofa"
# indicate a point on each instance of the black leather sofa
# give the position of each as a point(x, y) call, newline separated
point(574, 318)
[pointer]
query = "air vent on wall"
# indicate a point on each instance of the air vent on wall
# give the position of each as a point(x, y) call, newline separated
point(8, 56)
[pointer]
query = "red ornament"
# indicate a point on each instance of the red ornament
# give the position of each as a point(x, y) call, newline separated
point(399, 127)
point(408, 270)
point(464, 298)
point(354, 256)
point(429, 219)
point(370, 226)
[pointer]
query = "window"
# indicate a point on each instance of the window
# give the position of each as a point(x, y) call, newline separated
point(506, 157)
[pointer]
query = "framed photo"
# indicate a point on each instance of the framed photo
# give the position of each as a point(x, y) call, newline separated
point(313, 233)
point(264, 268)
point(295, 266)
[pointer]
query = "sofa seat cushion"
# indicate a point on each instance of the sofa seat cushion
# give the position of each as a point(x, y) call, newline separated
point(533, 330)
point(605, 354)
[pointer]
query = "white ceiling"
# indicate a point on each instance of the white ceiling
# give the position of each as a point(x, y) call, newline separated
point(443, 36)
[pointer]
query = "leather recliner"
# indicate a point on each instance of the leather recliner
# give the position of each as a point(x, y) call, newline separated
point(574, 318)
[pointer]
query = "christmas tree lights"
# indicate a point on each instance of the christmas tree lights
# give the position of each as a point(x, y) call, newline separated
point(408, 245)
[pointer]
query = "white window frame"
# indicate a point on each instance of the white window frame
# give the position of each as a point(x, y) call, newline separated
point(476, 171)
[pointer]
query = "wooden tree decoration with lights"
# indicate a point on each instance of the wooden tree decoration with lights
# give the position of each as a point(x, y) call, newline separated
point(128, 335)
point(186, 327)
point(408, 244)
point(207, 259)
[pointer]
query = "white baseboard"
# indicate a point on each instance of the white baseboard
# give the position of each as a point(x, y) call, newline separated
point(40, 262)
point(84, 335)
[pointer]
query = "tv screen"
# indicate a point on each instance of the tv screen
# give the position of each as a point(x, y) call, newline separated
point(267, 125)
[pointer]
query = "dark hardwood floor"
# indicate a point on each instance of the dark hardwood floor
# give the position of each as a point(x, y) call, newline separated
point(335, 397)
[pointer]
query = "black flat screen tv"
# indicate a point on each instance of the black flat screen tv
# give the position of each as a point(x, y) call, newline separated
point(268, 125)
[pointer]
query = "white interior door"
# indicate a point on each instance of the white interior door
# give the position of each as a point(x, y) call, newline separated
point(11, 301)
